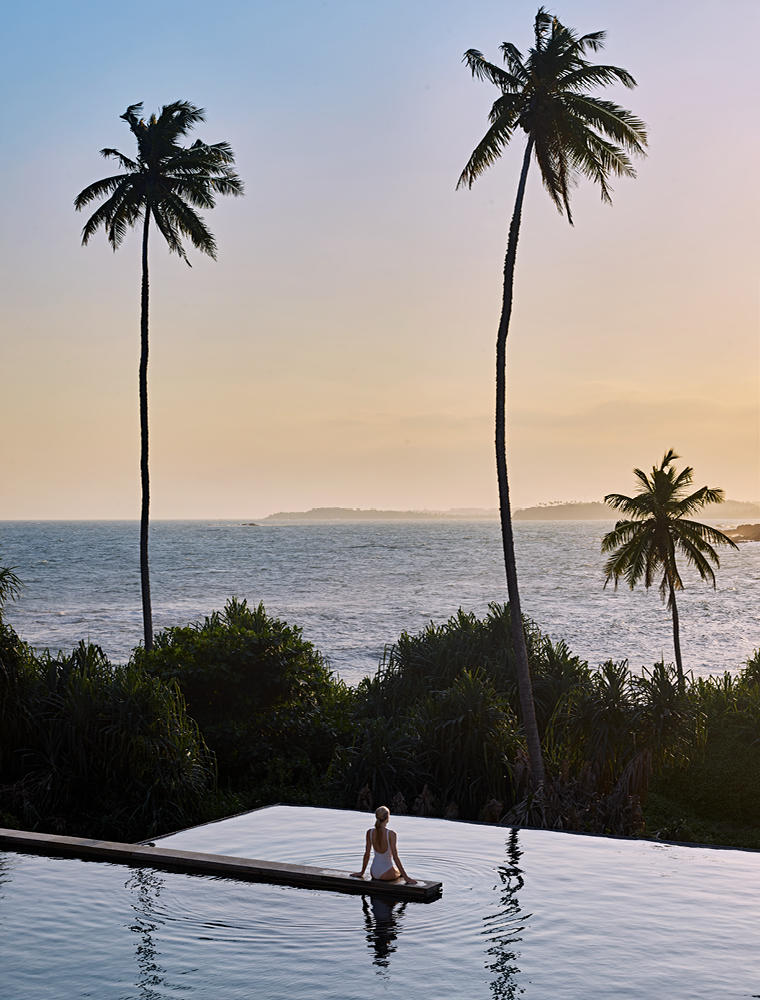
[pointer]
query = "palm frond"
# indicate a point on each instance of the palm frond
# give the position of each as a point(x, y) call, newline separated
point(481, 69)
point(98, 189)
point(195, 190)
point(621, 533)
point(126, 213)
point(105, 212)
point(705, 535)
point(169, 232)
point(178, 118)
point(487, 150)
point(698, 555)
point(504, 106)
point(643, 477)
point(594, 40)
point(596, 75)
point(595, 157)
point(609, 118)
point(628, 505)
point(228, 183)
point(630, 560)
point(684, 478)
point(541, 26)
point(133, 117)
point(201, 158)
point(124, 161)
point(222, 154)
point(514, 59)
point(190, 224)
point(552, 164)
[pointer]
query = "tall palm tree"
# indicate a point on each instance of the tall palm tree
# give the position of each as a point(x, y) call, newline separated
point(570, 133)
point(658, 528)
point(165, 182)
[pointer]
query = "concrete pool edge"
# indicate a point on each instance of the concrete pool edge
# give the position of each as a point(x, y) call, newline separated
point(195, 862)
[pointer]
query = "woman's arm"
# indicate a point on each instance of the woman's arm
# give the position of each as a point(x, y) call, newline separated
point(394, 851)
point(365, 859)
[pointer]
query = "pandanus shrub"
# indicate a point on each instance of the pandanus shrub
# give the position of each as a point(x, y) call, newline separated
point(468, 734)
point(90, 748)
point(721, 779)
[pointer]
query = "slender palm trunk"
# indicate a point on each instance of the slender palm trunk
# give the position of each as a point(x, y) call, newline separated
point(144, 478)
point(524, 684)
point(677, 639)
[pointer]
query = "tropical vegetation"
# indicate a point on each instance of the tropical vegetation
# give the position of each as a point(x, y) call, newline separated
point(570, 133)
point(263, 696)
point(88, 747)
point(166, 182)
point(239, 710)
point(658, 529)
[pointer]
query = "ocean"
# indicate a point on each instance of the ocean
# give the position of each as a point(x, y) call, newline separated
point(354, 587)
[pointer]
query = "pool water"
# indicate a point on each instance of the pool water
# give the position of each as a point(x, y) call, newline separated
point(526, 913)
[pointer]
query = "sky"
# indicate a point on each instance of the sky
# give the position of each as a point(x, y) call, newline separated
point(340, 351)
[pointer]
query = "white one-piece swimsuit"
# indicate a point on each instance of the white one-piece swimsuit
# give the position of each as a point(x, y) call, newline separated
point(382, 862)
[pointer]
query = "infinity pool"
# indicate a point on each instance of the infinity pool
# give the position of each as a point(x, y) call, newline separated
point(527, 913)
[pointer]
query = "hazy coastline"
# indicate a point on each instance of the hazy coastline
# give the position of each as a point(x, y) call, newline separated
point(559, 511)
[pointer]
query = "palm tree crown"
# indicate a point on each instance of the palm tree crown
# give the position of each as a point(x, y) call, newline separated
point(658, 529)
point(166, 179)
point(544, 94)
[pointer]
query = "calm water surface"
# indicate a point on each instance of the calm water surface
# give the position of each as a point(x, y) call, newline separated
point(354, 587)
point(533, 914)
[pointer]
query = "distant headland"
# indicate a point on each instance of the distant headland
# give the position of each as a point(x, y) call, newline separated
point(371, 514)
point(559, 511)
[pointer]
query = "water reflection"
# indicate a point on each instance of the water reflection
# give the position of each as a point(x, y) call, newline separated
point(504, 927)
point(382, 920)
point(146, 884)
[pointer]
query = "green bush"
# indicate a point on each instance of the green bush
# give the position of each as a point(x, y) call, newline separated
point(432, 660)
point(91, 748)
point(263, 697)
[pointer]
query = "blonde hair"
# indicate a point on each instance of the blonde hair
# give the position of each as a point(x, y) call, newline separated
point(383, 814)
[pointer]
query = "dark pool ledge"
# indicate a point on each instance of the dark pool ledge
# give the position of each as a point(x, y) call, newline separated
point(195, 862)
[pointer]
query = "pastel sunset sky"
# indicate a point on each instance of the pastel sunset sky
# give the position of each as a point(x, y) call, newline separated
point(341, 349)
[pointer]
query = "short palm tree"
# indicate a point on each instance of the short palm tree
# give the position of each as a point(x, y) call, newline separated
point(570, 133)
point(658, 528)
point(165, 182)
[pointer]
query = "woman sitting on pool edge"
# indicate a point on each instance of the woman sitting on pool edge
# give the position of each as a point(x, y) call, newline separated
point(386, 852)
